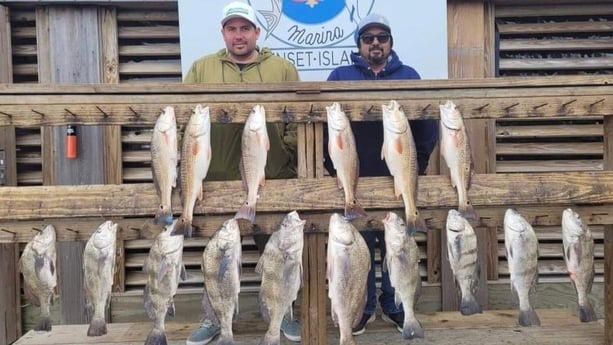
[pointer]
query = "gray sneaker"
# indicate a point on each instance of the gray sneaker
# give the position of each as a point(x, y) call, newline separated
point(205, 332)
point(291, 330)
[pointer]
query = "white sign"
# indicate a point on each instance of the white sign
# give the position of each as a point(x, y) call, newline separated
point(318, 35)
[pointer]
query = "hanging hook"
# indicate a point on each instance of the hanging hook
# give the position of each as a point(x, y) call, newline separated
point(70, 112)
point(599, 101)
point(38, 112)
point(511, 106)
point(569, 102)
point(482, 107)
point(103, 112)
point(539, 106)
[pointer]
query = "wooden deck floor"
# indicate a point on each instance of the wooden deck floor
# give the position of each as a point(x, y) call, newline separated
point(559, 327)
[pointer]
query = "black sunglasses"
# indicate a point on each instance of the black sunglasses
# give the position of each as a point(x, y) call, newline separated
point(369, 39)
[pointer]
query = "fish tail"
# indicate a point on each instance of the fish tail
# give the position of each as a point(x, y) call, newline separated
point(156, 337)
point(271, 339)
point(183, 227)
point(467, 211)
point(246, 212)
point(412, 329)
point(418, 226)
point(44, 324)
point(354, 210)
point(469, 306)
point(586, 313)
point(529, 318)
point(97, 327)
point(227, 340)
point(162, 216)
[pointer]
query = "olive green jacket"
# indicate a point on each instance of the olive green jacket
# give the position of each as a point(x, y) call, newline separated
point(226, 138)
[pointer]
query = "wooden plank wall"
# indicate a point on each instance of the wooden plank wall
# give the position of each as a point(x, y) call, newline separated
point(10, 313)
point(71, 35)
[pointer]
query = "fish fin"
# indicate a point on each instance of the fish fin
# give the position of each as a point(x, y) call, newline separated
point(201, 193)
point(170, 311)
point(354, 210)
point(529, 318)
point(586, 313)
point(577, 252)
point(241, 167)
point(162, 216)
point(148, 303)
point(39, 263)
point(269, 339)
point(385, 264)
point(156, 337)
point(418, 226)
point(259, 267)
point(267, 143)
point(163, 268)
point(44, 324)
point(51, 266)
point(183, 227)
point(246, 212)
point(412, 329)
point(97, 327)
point(223, 267)
point(183, 273)
point(467, 211)
point(264, 309)
point(591, 280)
point(262, 181)
point(469, 305)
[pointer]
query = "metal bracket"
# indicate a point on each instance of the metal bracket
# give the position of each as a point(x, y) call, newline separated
point(2, 168)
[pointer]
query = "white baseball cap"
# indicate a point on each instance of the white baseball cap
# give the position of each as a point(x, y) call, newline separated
point(238, 9)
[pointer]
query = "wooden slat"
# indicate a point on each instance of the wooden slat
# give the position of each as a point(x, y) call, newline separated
point(23, 32)
point(151, 49)
point(567, 44)
point(24, 50)
point(608, 238)
point(551, 267)
point(555, 28)
point(507, 166)
point(10, 318)
point(147, 16)
point(142, 108)
point(554, 250)
point(557, 63)
point(136, 136)
point(495, 326)
point(584, 9)
point(26, 69)
point(6, 66)
point(21, 15)
point(30, 178)
point(305, 194)
point(151, 32)
point(29, 158)
point(539, 149)
point(547, 131)
point(150, 68)
point(136, 156)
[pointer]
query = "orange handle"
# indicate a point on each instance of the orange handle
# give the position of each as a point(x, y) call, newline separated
point(71, 143)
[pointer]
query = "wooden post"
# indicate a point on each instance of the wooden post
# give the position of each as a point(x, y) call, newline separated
point(10, 313)
point(608, 239)
point(71, 36)
point(314, 297)
point(470, 32)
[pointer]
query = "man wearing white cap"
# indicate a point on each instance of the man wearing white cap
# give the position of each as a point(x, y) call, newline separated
point(243, 61)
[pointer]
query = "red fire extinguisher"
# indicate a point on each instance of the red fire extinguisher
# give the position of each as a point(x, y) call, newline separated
point(71, 142)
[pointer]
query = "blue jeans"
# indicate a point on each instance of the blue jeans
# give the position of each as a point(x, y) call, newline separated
point(372, 238)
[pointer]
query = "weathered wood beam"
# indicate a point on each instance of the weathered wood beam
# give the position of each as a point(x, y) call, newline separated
point(40, 202)
point(304, 102)
point(142, 228)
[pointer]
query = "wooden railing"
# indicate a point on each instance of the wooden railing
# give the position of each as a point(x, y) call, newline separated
point(82, 206)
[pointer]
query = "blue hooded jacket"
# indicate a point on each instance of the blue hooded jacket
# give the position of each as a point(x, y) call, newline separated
point(369, 134)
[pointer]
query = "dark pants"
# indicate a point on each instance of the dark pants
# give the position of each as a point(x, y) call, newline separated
point(374, 238)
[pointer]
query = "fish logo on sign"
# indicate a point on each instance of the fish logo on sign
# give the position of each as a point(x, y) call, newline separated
point(310, 23)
